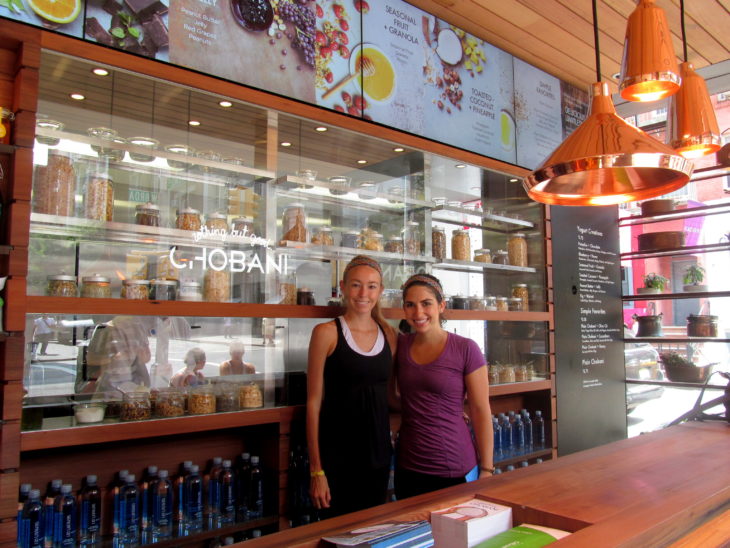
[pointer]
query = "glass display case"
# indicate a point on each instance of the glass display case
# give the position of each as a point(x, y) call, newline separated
point(199, 225)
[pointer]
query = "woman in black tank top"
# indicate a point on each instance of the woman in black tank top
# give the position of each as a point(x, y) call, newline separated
point(348, 431)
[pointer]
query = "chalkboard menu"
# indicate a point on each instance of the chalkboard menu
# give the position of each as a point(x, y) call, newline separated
point(588, 327)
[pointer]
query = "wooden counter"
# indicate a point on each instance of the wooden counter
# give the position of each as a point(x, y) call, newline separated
point(647, 491)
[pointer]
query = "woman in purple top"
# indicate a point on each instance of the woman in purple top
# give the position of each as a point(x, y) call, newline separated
point(435, 371)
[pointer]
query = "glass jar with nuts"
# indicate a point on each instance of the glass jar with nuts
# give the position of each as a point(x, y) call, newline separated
point(136, 406)
point(460, 246)
point(201, 400)
point(99, 197)
point(61, 285)
point(438, 243)
point(170, 402)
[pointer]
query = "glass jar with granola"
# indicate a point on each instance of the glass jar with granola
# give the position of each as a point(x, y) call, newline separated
point(217, 286)
point(136, 290)
point(61, 285)
point(412, 238)
point(460, 246)
point(96, 287)
point(99, 197)
point(169, 402)
point(216, 221)
point(371, 240)
point(54, 188)
point(294, 223)
point(482, 256)
point(517, 249)
point(201, 400)
point(394, 245)
point(188, 219)
point(438, 243)
point(136, 406)
point(502, 305)
point(520, 291)
point(147, 214)
point(323, 236)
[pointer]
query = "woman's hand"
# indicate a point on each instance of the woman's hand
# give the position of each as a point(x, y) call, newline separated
point(319, 492)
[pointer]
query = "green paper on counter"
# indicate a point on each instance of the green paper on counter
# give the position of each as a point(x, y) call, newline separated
point(524, 536)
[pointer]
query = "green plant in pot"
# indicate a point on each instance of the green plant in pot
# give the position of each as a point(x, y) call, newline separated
point(653, 283)
point(680, 369)
point(694, 275)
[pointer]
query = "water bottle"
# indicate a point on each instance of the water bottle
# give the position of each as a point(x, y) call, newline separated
point(114, 487)
point(497, 429)
point(180, 489)
point(64, 518)
point(518, 437)
point(511, 415)
point(538, 431)
point(53, 490)
point(228, 541)
point(256, 533)
point(129, 511)
point(509, 468)
point(529, 444)
point(243, 474)
point(497, 470)
point(506, 438)
point(255, 490)
point(23, 495)
point(524, 464)
point(227, 494)
point(145, 497)
point(32, 521)
point(193, 489)
point(212, 507)
point(162, 505)
point(90, 512)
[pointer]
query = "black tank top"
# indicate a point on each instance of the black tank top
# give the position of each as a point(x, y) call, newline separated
point(354, 423)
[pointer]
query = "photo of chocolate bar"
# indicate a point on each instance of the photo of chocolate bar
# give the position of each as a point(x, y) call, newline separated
point(136, 26)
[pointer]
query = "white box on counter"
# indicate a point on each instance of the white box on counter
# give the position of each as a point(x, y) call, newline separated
point(468, 523)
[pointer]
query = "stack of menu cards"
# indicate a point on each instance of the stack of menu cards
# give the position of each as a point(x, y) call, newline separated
point(524, 536)
point(409, 534)
point(469, 523)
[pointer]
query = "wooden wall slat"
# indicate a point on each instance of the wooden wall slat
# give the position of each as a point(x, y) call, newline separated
point(23, 133)
point(12, 353)
point(11, 400)
point(9, 483)
point(18, 227)
point(21, 177)
point(10, 445)
point(14, 309)
point(8, 534)
point(26, 89)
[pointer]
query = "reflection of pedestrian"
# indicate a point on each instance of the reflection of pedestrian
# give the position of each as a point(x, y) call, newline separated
point(236, 365)
point(191, 374)
point(43, 330)
point(227, 328)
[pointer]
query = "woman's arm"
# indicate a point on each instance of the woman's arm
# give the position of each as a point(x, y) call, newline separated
point(477, 393)
point(321, 345)
point(393, 392)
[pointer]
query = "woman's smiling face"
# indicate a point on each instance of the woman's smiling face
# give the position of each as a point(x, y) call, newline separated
point(422, 309)
point(362, 289)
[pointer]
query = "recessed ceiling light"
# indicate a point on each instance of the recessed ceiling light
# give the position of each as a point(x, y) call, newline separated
point(460, 166)
point(514, 180)
point(398, 149)
point(100, 72)
point(225, 104)
point(194, 123)
point(285, 144)
point(77, 97)
point(320, 129)
point(362, 161)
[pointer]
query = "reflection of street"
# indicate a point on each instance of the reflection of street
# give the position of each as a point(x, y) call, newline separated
point(655, 414)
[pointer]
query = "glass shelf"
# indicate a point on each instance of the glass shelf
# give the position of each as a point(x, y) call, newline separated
point(302, 250)
point(471, 266)
point(688, 250)
point(673, 296)
point(463, 217)
point(688, 340)
point(704, 211)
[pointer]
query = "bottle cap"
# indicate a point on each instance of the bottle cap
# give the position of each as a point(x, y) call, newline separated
point(35, 494)
point(25, 487)
point(187, 464)
point(131, 478)
point(194, 469)
point(152, 469)
point(66, 488)
point(226, 463)
point(254, 460)
point(245, 456)
point(162, 474)
point(91, 479)
point(56, 483)
point(217, 460)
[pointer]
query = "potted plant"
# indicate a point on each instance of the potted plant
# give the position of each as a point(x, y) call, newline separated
point(653, 283)
point(694, 275)
point(680, 369)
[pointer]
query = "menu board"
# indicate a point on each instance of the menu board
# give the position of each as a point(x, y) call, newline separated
point(588, 327)
point(136, 26)
point(574, 107)
point(538, 114)
point(66, 17)
point(253, 43)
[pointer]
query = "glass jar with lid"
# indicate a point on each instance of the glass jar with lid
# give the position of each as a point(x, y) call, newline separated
point(477, 303)
point(250, 396)
point(371, 240)
point(190, 291)
point(351, 238)
point(226, 397)
point(500, 257)
point(490, 303)
point(136, 406)
point(169, 402)
point(163, 290)
point(288, 289)
point(61, 285)
point(294, 223)
point(517, 249)
point(54, 186)
point(216, 221)
point(394, 245)
point(49, 126)
point(459, 302)
point(107, 143)
point(305, 296)
point(493, 373)
point(147, 145)
point(201, 400)
point(460, 246)
point(482, 256)
point(412, 238)
point(520, 291)
point(217, 286)
point(514, 304)
point(136, 290)
point(502, 305)
point(183, 150)
point(96, 287)
point(99, 197)
point(438, 243)
point(243, 225)
point(147, 214)
point(323, 236)
point(188, 219)
point(506, 374)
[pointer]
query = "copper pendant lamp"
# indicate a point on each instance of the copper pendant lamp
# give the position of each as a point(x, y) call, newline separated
point(649, 68)
point(606, 160)
point(693, 128)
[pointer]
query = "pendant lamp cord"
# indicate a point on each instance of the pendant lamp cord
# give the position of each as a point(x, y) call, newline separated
point(684, 35)
point(595, 40)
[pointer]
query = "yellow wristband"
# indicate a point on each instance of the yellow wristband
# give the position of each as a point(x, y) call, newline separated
point(317, 473)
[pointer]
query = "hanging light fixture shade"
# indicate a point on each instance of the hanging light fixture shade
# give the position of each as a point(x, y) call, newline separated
point(607, 161)
point(693, 129)
point(649, 68)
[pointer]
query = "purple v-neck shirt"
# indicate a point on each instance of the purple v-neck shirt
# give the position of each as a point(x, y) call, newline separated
point(434, 439)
